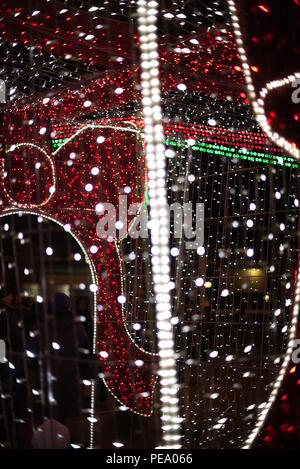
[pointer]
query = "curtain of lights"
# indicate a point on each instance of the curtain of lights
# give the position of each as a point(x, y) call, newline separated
point(72, 142)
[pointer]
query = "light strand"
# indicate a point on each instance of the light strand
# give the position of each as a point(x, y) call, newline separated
point(124, 319)
point(278, 382)
point(258, 104)
point(53, 174)
point(259, 111)
point(95, 282)
point(147, 13)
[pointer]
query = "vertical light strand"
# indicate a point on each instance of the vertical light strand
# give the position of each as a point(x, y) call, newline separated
point(283, 370)
point(262, 121)
point(147, 12)
point(93, 387)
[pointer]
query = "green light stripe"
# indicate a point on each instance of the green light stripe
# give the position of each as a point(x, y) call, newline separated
point(223, 150)
point(57, 142)
point(232, 152)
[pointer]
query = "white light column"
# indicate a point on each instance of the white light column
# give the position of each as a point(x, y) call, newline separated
point(160, 252)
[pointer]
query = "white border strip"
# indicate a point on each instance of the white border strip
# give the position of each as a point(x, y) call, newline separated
point(147, 13)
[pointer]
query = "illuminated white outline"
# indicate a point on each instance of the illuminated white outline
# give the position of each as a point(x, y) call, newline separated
point(27, 209)
point(49, 157)
point(258, 104)
point(154, 381)
point(139, 132)
point(94, 126)
point(153, 354)
point(93, 271)
point(283, 369)
point(261, 118)
point(274, 136)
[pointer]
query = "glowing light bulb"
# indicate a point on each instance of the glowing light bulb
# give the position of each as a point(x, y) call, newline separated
point(95, 171)
point(89, 187)
point(199, 282)
point(181, 87)
point(174, 252)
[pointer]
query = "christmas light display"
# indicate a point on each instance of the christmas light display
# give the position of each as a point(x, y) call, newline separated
point(74, 207)
point(250, 146)
point(262, 17)
point(259, 110)
point(216, 324)
point(217, 276)
point(93, 287)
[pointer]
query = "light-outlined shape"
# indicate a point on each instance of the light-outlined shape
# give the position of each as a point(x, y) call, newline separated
point(259, 111)
point(42, 210)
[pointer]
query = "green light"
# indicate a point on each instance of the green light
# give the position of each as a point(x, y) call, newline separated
point(57, 142)
point(221, 150)
point(232, 152)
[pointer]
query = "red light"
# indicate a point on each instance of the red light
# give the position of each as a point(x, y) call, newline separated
point(264, 8)
point(255, 69)
point(292, 370)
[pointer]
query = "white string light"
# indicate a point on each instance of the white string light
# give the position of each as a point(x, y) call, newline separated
point(124, 319)
point(290, 347)
point(95, 126)
point(147, 12)
point(275, 137)
point(53, 174)
point(258, 107)
point(92, 268)
point(30, 209)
